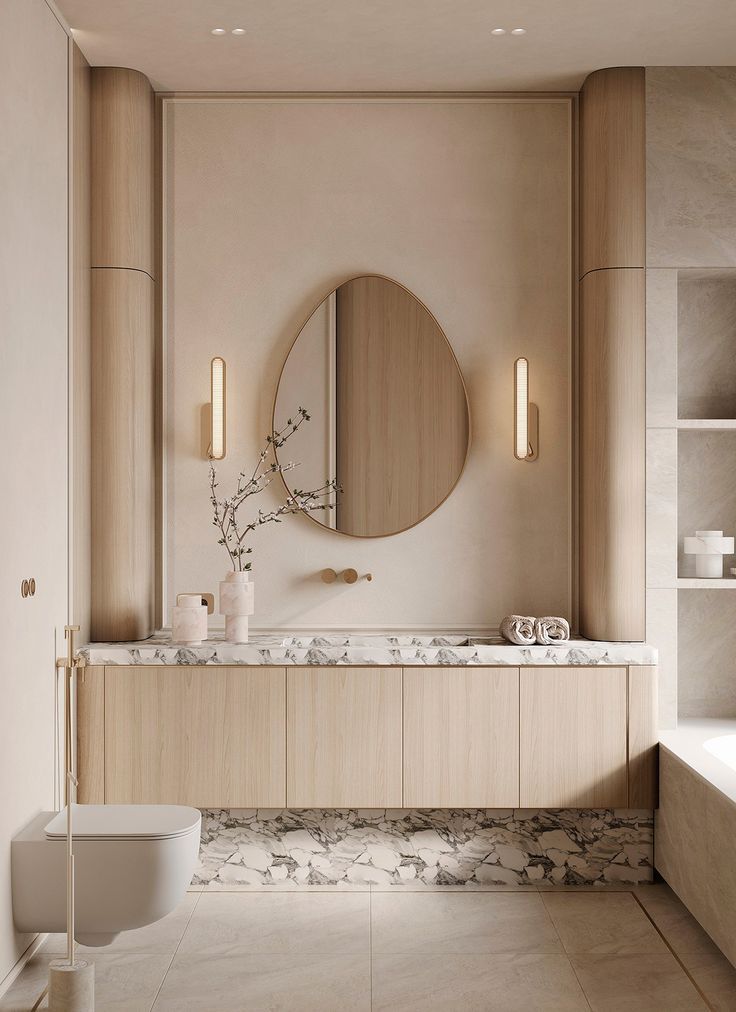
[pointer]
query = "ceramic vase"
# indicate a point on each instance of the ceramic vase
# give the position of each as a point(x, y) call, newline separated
point(236, 604)
point(189, 620)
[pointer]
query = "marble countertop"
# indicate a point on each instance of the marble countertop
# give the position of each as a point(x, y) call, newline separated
point(386, 650)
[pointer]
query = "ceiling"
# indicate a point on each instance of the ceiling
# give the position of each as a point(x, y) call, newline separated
point(396, 45)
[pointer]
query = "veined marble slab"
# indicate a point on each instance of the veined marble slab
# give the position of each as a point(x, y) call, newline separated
point(368, 649)
point(474, 848)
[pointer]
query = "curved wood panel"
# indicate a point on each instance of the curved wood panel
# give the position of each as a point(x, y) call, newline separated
point(612, 456)
point(612, 169)
point(122, 112)
point(122, 455)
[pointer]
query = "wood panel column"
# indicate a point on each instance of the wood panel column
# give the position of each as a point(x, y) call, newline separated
point(123, 354)
point(612, 355)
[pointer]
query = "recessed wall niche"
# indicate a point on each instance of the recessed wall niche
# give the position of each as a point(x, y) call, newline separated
point(706, 489)
point(706, 651)
point(706, 344)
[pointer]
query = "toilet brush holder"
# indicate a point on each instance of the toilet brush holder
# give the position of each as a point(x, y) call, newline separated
point(71, 986)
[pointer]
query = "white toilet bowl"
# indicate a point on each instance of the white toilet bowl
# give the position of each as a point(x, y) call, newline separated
point(132, 866)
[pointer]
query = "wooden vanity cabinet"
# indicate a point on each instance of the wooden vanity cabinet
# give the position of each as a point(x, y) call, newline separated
point(573, 737)
point(207, 736)
point(344, 736)
point(461, 737)
point(343, 733)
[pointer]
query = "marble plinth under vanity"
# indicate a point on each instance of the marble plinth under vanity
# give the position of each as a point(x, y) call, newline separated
point(364, 760)
point(331, 649)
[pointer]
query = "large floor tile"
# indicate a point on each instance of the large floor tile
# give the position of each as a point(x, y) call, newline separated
point(279, 923)
point(288, 886)
point(648, 983)
point(512, 983)
point(292, 983)
point(674, 920)
point(124, 982)
point(163, 936)
point(602, 923)
point(461, 923)
point(715, 977)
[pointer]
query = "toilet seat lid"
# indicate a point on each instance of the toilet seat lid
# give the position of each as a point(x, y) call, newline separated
point(126, 822)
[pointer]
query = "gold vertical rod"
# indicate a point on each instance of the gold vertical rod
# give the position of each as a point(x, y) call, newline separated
point(69, 664)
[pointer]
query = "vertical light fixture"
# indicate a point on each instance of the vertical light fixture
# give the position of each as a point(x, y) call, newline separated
point(217, 408)
point(526, 415)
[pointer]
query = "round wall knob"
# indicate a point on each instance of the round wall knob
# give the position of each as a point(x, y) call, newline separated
point(350, 575)
point(328, 575)
point(25, 588)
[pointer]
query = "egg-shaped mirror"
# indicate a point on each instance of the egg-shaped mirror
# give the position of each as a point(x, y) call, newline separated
point(389, 411)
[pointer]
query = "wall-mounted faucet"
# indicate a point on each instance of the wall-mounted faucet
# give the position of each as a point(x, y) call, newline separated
point(347, 575)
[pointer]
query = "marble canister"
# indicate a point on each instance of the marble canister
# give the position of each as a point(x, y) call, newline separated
point(709, 547)
point(189, 621)
point(236, 604)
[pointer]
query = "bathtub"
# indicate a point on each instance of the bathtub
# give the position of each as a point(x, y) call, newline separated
point(695, 824)
point(723, 747)
point(708, 746)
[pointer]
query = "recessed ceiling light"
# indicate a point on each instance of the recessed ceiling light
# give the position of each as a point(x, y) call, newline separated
point(219, 31)
point(238, 31)
point(518, 31)
point(498, 31)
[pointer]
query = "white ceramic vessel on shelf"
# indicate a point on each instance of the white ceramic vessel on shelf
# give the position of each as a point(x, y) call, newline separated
point(236, 604)
point(189, 620)
point(709, 547)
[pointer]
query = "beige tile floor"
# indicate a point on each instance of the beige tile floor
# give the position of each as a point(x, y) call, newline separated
point(517, 950)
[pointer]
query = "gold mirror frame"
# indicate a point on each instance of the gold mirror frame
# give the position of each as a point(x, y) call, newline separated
point(334, 288)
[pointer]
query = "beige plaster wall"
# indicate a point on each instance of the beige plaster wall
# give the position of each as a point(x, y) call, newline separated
point(33, 416)
point(270, 204)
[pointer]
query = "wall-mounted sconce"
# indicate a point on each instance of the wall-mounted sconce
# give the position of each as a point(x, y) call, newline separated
point(216, 449)
point(526, 415)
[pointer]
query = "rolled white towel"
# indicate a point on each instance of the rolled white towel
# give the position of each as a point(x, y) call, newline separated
point(551, 629)
point(518, 629)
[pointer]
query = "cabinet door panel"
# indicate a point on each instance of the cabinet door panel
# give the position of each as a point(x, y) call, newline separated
point(91, 735)
point(204, 736)
point(573, 737)
point(461, 737)
point(343, 737)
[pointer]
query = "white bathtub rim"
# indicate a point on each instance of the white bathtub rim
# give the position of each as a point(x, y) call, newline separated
point(687, 743)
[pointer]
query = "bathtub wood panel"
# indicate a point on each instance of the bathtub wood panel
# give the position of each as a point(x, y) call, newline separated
point(694, 830)
point(461, 738)
point(643, 736)
point(91, 735)
point(201, 736)
point(344, 737)
point(573, 737)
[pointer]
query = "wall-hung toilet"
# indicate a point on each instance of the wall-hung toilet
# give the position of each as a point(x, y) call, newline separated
point(132, 866)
